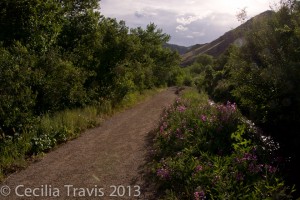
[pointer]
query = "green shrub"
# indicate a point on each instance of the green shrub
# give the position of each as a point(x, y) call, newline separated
point(209, 151)
point(42, 143)
point(17, 99)
point(188, 81)
point(13, 152)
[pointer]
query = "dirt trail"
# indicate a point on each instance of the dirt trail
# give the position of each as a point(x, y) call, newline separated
point(103, 157)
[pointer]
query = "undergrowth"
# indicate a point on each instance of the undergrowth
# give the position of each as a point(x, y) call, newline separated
point(204, 150)
point(51, 130)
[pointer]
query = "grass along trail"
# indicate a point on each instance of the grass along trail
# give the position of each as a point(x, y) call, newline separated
point(104, 157)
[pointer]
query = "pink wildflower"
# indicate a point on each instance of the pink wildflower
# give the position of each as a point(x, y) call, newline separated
point(199, 195)
point(199, 168)
point(203, 118)
point(181, 108)
point(271, 169)
point(163, 173)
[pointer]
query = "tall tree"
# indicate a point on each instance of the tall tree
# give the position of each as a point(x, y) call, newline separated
point(33, 22)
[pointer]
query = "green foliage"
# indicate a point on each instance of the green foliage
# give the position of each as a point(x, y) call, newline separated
point(77, 7)
point(17, 99)
point(176, 76)
point(62, 55)
point(46, 133)
point(63, 126)
point(53, 129)
point(196, 68)
point(262, 76)
point(209, 151)
point(13, 153)
point(74, 61)
point(161, 59)
point(204, 59)
point(240, 143)
point(58, 84)
point(31, 23)
point(132, 98)
point(42, 143)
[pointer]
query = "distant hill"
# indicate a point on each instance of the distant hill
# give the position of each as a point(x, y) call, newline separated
point(218, 46)
point(180, 49)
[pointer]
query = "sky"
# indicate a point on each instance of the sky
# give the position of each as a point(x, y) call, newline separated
point(188, 22)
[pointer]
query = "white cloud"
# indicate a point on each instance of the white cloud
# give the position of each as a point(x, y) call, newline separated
point(191, 2)
point(138, 14)
point(201, 20)
point(198, 34)
point(181, 28)
point(186, 20)
point(196, 7)
point(147, 12)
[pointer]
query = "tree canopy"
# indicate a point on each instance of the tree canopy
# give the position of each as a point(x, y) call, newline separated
point(60, 54)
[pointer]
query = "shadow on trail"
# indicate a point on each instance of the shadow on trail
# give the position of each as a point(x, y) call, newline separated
point(149, 189)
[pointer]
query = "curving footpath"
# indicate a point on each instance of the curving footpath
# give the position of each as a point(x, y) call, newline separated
point(104, 163)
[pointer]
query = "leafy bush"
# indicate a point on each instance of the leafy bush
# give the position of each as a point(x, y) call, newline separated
point(80, 61)
point(42, 143)
point(58, 84)
point(209, 151)
point(262, 77)
point(205, 60)
point(17, 98)
point(14, 150)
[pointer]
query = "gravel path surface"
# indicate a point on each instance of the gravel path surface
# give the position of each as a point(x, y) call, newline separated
point(104, 161)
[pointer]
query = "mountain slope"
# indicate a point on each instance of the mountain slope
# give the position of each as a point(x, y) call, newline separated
point(218, 46)
point(180, 49)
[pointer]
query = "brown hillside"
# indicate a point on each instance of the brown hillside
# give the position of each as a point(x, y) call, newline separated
point(218, 46)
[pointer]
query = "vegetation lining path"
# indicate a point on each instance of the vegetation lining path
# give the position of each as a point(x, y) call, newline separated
point(102, 157)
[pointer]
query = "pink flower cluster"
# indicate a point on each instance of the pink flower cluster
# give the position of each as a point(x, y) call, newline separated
point(247, 157)
point(203, 118)
point(163, 127)
point(163, 173)
point(199, 195)
point(254, 168)
point(271, 169)
point(198, 168)
point(226, 110)
point(181, 108)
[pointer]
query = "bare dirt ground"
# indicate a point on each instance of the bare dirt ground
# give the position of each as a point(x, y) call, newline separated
point(104, 163)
